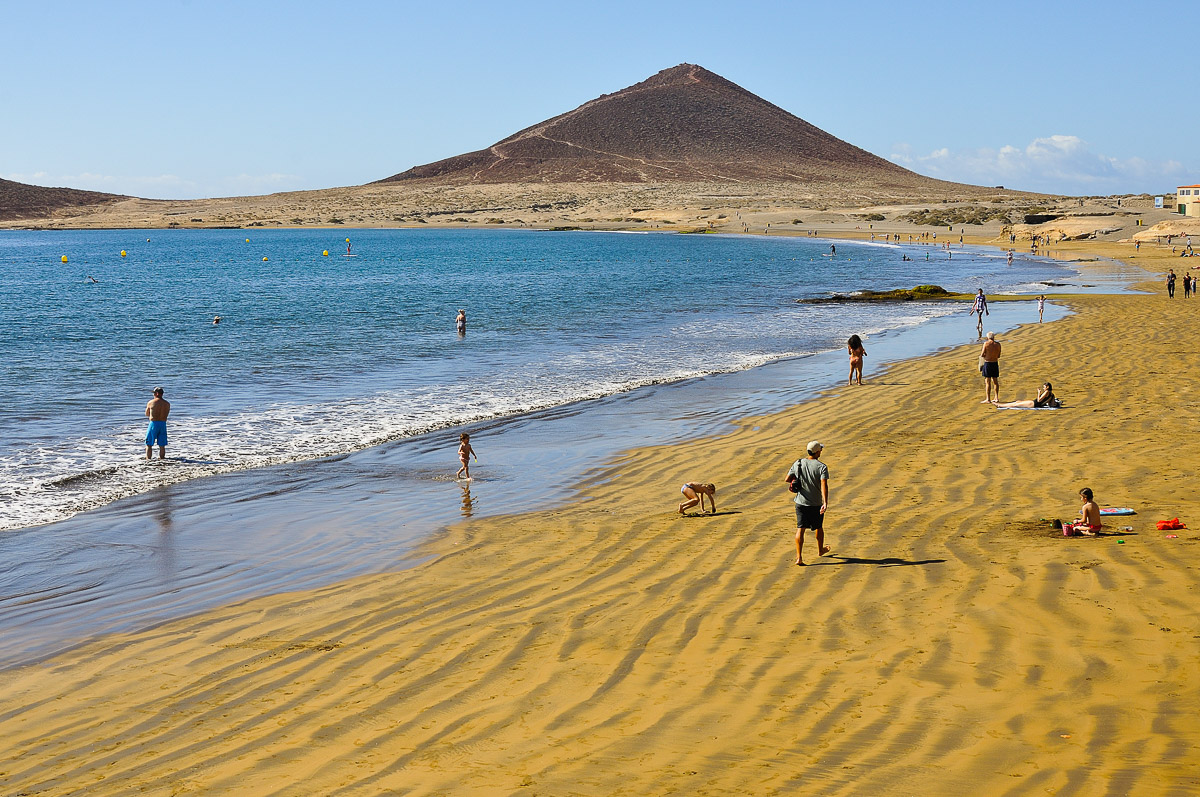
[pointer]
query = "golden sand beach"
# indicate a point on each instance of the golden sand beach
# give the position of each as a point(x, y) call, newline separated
point(951, 643)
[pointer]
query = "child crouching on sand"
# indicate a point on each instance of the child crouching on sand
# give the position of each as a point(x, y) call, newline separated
point(694, 492)
point(1088, 522)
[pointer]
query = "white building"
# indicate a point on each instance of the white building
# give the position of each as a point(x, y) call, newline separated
point(1187, 200)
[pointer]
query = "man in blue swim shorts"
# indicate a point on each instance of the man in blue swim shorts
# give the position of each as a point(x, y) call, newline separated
point(157, 410)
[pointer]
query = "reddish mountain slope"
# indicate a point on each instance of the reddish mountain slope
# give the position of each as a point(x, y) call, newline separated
point(21, 201)
point(685, 123)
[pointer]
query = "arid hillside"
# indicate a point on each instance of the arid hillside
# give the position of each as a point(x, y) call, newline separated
point(21, 201)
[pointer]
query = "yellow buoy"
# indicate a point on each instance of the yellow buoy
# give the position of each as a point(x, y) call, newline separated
point(64, 258)
point(264, 260)
point(123, 253)
point(347, 240)
point(325, 253)
point(247, 240)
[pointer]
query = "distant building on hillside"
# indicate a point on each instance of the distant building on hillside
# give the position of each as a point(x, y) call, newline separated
point(1187, 200)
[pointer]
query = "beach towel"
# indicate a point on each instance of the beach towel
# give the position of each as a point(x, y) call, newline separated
point(1173, 523)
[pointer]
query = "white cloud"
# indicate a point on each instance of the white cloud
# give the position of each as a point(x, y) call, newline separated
point(165, 186)
point(1055, 164)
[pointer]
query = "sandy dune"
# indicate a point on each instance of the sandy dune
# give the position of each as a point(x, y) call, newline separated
point(950, 644)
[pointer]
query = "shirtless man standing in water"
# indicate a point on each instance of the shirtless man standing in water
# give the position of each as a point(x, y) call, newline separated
point(157, 410)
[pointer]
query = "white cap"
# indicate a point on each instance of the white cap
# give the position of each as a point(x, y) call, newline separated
point(815, 445)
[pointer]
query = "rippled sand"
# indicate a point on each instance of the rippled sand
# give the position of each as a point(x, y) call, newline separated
point(950, 644)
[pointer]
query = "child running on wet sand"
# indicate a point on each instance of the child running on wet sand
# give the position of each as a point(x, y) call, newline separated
point(465, 452)
point(694, 492)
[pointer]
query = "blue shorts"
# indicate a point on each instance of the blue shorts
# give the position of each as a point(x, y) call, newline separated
point(156, 435)
point(991, 370)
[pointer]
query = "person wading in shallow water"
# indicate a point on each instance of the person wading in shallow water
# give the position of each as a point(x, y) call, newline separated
point(157, 410)
point(857, 352)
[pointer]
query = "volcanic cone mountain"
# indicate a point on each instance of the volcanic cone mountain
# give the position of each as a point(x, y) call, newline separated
point(683, 124)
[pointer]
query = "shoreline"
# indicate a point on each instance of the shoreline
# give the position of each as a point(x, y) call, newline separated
point(608, 645)
point(118, 480)
point(188, 533)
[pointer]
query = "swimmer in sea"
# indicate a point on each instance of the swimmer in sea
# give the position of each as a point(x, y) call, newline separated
point(216, 320)
point(460, 323)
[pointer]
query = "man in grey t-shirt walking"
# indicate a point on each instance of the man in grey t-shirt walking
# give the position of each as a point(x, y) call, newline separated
point(811, 478)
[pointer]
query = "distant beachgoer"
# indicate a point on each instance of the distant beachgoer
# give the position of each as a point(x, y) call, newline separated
point(833, 249)
point(348, 245)
point(1010, 257)
point(809, 478)
point(1187, 286)
point(460, 323)
point(465, 452)
point(91, 279)
point(1088, 523)
point(694, 493)
point(989, 367)
point(216, 320)
point(1045, 398)
point(857, 352)
point(1171, 283)
point(1041, 307)
point(157, 410)
point(979, 307)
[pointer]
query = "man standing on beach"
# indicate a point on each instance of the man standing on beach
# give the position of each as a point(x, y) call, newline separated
point(810, 480)
point(157, 410)
point(989, 366)
point(1171, 283)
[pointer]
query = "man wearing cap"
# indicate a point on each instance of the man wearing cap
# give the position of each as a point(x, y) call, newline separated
point(157, 410)
point(810, 478)
point(989, 366)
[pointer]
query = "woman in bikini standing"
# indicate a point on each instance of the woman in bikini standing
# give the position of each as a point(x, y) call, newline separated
point(857, 352)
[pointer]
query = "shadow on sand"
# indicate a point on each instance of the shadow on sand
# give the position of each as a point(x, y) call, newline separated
point(890, 561)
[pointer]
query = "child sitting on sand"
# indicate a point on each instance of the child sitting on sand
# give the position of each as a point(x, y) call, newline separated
point(1088, 522)
point(694, 492)
point(465, 452)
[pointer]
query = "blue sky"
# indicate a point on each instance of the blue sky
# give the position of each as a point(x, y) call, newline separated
point(180, 99)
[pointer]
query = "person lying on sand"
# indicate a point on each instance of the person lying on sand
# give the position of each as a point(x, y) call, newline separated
point(1045, 398)
point(1088, 522)
point(694, 492)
